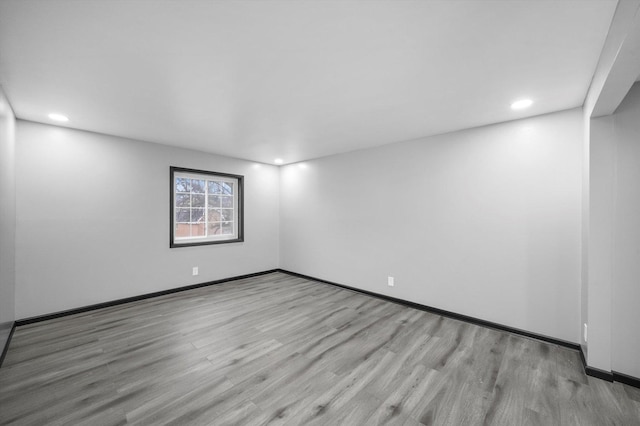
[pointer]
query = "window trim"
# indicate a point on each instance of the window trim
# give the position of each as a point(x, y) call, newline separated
point(240, 207)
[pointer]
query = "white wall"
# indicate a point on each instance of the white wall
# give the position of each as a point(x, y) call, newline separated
point(625, 291)
point(614, 239)
point(611, 235)
point(81, 238)
point(483, 222)
point(7, 218)
point(601, 201)
point(584, 236)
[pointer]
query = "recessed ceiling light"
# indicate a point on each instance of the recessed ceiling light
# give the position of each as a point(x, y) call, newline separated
point(521, 104)
point(58, 117)
point(278, 161)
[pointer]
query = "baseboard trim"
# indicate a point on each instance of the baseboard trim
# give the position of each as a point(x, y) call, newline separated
point(626, 379)
point(6, 345)
point(591, 371)
point(598, 373)
point(445, 313)
point(111, 303)
point(583, 359)
point(612, 376)
point(609, 376)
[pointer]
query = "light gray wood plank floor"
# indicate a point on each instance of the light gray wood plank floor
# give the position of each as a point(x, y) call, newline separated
point(282, 350)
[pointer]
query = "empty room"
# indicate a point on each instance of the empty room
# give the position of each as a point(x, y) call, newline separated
point(330, 212)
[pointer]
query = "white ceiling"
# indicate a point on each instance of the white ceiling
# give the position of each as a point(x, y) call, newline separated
point(296, 80)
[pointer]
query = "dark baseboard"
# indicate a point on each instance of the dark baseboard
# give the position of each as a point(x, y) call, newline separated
point(612, 376)
point(135, 298)
point(600, 374)
point(6, 345)
point(626, 379)
point(444, 313)
point(591, 371)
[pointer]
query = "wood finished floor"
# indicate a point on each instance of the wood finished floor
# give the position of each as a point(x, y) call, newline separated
point(282, 350)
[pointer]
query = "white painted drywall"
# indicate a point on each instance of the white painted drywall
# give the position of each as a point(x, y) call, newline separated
point(483, 222)
point(81, 240)
point(7, 218)
point(614, 239)
point(625, 291)
point(601, 202)
point(611, 236)
point(584, 237)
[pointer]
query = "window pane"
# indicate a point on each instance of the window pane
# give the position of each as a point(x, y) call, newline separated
point(182, 230)
point(214, 201)
point(226, 188)
point(226, 201)
point(182, 215)
point(183, 200)
point(214, 187)
point(197, 185)
point(214, 228)
point(183, 185)
point(197, 200)
point(227, 214)
point(197, 215)
point(214, 215)
point(197, 230)
point(227, 228)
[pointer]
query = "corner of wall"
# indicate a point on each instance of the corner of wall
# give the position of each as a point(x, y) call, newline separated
point(584, 235)
point(279, 233)
point(7, 218)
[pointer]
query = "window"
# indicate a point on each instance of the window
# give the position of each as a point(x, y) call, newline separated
point(206, 208)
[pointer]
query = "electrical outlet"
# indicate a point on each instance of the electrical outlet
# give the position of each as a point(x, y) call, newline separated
point(585, 333)
point(194, 272)
point(390, 281)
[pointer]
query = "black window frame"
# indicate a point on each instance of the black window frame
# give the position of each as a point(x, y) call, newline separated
point(240, 207)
